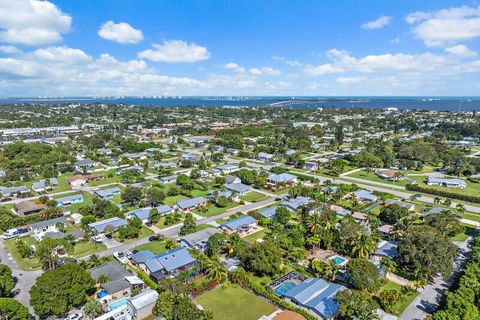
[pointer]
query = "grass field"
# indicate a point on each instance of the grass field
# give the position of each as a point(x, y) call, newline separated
point(214, 210)
point(234, 303)
point(27, 264)
point(402, 305)
point(155, 247)
point(253, 197)
point(86, 248)
point(463, 236)
point(252, 238)
point(144, 232)
point(371, 176)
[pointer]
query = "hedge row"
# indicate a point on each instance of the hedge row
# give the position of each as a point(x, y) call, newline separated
point(260, 290)
point(444, 193)
point(304, 177)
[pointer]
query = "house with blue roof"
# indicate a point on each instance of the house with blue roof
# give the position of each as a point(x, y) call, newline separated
point(227, 168)
point(69, 200)
point(166, 264)
point(241, 225)
point(316, 295)
point(144, 213)
point(282, 178)
point(107, 194)
point(238, 188)
point(100, 226)
point(297, 203)
point(214, 195)
point(365, 196)
point(187, 205)
point(385, 249)
point(269, 212)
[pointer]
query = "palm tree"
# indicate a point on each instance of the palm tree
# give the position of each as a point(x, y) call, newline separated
point(388, 265)
point(94, 261)
point(314, 223)
point(215, 270)
point(460, 207)
point(447, 202)
point(103, 278)
point(436, 200)
point(232, 244)
point(363, 245)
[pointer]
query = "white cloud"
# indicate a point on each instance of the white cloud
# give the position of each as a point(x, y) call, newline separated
point(291, 63)
point(63, 55)
point(9, 49)
point(378, 23)
point(323, 69)
point(235, 67)
point(120, 32)
point(264, 71)
point(461, 50)
point(175, 51)
point(32, 22)
point(350, 80)
point(446, 26)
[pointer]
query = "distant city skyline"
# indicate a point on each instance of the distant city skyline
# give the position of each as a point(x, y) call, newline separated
point(239, 48)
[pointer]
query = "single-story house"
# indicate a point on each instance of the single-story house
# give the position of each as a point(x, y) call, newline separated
point(141, 256)
point(269, 212)
point(165, 165)
point(282, 178)
point(241, 225)
point(311, 165)
point(107, 194)
point(75, 218)
point(69, 200)
point(28, 207)
point(168, 179)
point(229, 179)
point(265, 157)
point(340, 211)
point(42, 185)
point(45, 226)
point(120, 283)
point(190, 204)
point(214, 195)
point(296, 203)
point(316, 295)
point(401, 204)
point(238, 188)
point(169, 263)
point(385, 249)
point(189, 156)
point(228, 168)
point(12, 191)
point(290, 152)
point(81, 180)
point(115, 223)
point(434, 210)
point(197, 240)
point(141, 305)
point(387, 174)
point(386, 230)
point(364, 195)
point(104, 151)
point(144, 213)
point(85, 165)
point(232, 151)
point(449, 183)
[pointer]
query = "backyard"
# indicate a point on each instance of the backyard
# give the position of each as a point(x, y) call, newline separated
point(408, 297)
point(26, 264)
point(235, 303)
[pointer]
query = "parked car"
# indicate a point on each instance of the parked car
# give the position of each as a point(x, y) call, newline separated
point(74, 316)
point(121, 257)
point(153, 238)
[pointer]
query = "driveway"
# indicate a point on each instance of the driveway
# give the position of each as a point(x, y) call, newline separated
point(24, 279)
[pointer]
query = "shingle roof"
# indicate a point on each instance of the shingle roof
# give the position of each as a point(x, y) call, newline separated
point(387, 249)
point(50, 222)
point(268, 212)
point(238, 187)
point(115, 222)
point(199, 237)
point(282, 177)
point(170, 260)
point(113, 270)
point(107, 192)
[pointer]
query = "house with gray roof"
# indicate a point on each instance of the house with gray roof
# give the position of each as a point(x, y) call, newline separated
point(85, 165)
point(169, 263)
point(69, 200)
point(228, 168)
point(401, 204)
point(107, 194)
point(168, 179)
point(120, 283)
point(385, 249)
point(229, 179)
point(297, 203)
point(238, 188)
point(317, 296)
point(141, 306)
point(366, 196)
point(99, 226)
point(282, 178)
point(265, 157)
point(42, 227)
point(197, 240)
point(42, 185)
point(13, 191)
point(269, 212)
point(144, 213)
point(241, 225)
point(446, 182)
point(187, 205)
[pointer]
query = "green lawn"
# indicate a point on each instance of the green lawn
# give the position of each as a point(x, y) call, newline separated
point(472, 189)
point(252, 238)
point(471, 216)
point(402, 305)
point(87, 200)
point(170, 201)
point(155, 247)
point(85, 248)
point(253, 196)
point(371, 176)
point(234, 303)
point(463, 236)
point(144, 232)
point(214, 210)
point(27, 264)
point(161, 223)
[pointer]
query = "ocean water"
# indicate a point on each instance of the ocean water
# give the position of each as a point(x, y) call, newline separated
point(419, 103)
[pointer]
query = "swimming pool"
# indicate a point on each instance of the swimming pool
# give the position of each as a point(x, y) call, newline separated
point(118, 303)
point(284, 287)
point(338, 261)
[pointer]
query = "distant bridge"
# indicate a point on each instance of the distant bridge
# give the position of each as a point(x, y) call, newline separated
point(289, 103)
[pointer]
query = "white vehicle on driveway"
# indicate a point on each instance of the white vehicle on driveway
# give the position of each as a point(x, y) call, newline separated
point(121, 257)
point(74, 316)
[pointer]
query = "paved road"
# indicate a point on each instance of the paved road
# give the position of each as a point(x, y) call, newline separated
point(172, 231)
point(24, 279)
point(431, 296)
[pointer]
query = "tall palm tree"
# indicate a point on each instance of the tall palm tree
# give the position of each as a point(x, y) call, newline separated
point(215, 270)
point(436, 200)
point(363, 245)
point(314, 223)
point(388, 265)
point(232, 243)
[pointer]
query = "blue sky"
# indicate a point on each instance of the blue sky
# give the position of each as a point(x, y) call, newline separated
point(154, 47)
